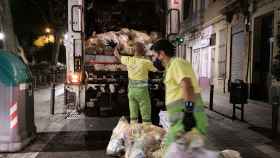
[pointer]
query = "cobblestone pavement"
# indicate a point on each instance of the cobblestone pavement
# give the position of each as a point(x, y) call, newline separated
point(87, 137)
point(253, 137)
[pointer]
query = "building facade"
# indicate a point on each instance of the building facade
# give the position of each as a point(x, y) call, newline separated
point(206, 42)
point(230, 40)
point(265, 42)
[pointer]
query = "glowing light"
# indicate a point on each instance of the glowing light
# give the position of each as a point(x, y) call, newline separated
point(65, 36)
point(48, 30)
point(2, 36)
point(74, 77)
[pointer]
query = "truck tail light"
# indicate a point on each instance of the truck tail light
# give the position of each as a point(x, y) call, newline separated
point(74, 78)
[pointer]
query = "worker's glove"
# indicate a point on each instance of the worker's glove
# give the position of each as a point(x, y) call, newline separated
point(188, 119)
point(111, 43)
point(158, 64)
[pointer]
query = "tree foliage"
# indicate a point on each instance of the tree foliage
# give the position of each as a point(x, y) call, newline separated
point(31, 17)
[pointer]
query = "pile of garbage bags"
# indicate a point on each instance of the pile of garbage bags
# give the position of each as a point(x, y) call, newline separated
point(146, 141)
point(134, 142)
point(125, 38)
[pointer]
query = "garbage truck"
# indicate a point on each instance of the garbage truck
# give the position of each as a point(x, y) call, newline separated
point(96, 83)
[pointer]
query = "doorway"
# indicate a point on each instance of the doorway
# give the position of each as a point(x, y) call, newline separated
point(263, 32)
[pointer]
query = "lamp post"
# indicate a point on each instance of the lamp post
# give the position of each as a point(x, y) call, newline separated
point(52, 99)
point(48, 30)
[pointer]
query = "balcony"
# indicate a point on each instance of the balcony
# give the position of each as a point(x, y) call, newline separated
point(235, 6)
point(193, 22)
point(229, 1)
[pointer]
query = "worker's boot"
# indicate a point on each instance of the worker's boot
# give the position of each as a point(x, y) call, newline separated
point(135, 129)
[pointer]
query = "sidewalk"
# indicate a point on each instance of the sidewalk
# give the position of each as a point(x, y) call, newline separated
point(252, 137)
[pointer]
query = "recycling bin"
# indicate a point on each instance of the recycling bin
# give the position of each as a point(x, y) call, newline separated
point(17, 126)
point(238, 92)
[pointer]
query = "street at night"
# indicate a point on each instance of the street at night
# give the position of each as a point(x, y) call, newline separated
point(140, 78)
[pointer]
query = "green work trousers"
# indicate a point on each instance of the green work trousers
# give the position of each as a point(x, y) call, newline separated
point(139, 100)
point(176, 114)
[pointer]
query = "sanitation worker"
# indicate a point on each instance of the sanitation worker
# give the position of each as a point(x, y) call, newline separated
point(138, 68)
point(184, 104)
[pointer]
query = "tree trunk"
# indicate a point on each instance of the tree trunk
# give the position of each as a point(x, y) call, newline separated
point(56, 47)
point(56, 31)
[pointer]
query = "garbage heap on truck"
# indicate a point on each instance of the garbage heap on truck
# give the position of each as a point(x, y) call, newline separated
point(107, 79)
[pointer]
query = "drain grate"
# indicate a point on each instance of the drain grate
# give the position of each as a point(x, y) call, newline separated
point(74, 115)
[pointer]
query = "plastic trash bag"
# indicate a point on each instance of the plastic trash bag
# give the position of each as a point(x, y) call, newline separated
point(116, 146)
point(148, 140)
point(230, 154)
point(177, 150)
point(135, 150)
point(163, 119)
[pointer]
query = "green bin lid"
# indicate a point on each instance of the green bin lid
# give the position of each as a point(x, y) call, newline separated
point(12, 69)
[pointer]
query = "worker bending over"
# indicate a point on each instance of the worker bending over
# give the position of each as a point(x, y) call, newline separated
point(183, 100)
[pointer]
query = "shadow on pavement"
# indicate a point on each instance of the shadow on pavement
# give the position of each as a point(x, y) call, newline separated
point(267, 132)
point(70, 141)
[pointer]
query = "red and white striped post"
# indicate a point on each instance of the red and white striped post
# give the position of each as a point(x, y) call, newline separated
point(13, 115)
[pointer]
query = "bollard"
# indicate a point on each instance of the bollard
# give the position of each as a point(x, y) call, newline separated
point(275, 112)
point(211, 97)
point(52, 101)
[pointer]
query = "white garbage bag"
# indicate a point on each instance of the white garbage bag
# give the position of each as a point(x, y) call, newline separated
point(147, 142)
point(177, 150)
point(116, 146)
point(163, 119)
point(230, 154)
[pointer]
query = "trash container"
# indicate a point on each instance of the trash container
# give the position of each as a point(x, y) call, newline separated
point(238, 92)
point(17, 126)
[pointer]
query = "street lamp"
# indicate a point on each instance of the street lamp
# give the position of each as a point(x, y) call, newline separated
point(48, 30)
point(65, 36)
point(2, 36)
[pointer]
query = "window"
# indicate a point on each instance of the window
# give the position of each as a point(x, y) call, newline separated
point(206, 3)
point(198, 5)
point(194, 6)
point(213, 40)
point(202, 4)
point(187, 8)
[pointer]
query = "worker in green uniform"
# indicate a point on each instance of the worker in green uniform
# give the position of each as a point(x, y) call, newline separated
point(138, 68)
point(183, 100)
